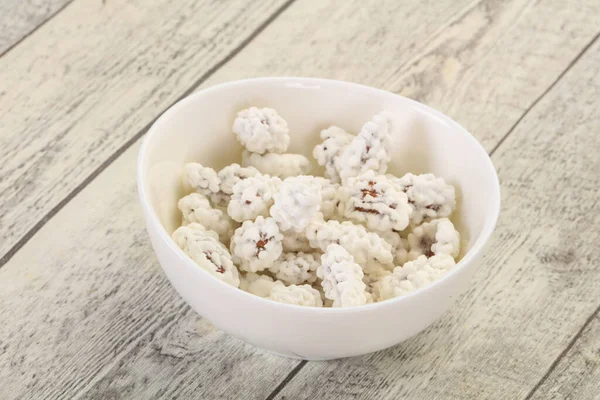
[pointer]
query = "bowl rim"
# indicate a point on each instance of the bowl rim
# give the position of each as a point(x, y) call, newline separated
point(153, 221)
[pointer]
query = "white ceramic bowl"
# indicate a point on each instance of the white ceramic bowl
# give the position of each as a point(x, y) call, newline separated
point(198, 128)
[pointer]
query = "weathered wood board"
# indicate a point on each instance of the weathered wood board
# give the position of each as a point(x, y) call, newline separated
point(18, 18)
point(90, 80)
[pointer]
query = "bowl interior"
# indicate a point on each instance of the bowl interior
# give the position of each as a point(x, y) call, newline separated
point(199, 129)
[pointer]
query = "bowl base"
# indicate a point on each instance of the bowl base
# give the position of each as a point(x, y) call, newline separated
point(298, 357)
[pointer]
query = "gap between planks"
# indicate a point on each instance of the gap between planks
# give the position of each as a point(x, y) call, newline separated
point(562, 354)
point(286, 380)
point(552, 85)
point(11, 252)
point(31, 32)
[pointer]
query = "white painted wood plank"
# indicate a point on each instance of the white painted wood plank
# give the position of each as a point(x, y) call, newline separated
point(18, 18)
point(537, 285)
point(577, 375)
point(92, 78)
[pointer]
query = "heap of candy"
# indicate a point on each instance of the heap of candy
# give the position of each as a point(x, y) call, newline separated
point(353, 237)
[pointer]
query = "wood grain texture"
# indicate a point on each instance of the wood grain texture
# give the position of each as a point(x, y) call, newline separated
point(577, 375)
point(79, 305)
point(92, 78)
point(538, 283)
point(18, 18)
point(88, 310)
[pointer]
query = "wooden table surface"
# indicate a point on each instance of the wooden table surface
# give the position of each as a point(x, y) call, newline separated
point(85, 310)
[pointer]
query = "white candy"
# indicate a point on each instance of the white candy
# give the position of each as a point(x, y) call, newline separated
point(369, 150)
point(229, 176)
point(412, 276)
point(280, 165)
point(437, 237)
point(196, 208)
point(428, 196)
point(342, 278)
point(372, 200)
point(368, 249)
point(356, 215)
point(220, 200)
point(259, 285)
point(294, 242)
point(303, 295)
point(375, 272)
point(399, 245)
point(203, 180)
point(205, 249)
point(296, 268)
point(330, 197)
point(232, 174)
point(261, 130)
point(296, 203)
point(256, 244)
point(335, 140)
point(252, 197)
